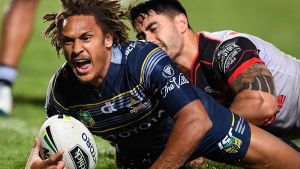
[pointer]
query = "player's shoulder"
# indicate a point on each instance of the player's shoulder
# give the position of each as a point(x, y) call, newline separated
point(142, 57)
point(217, 36)
point(224, 35)
point(236, 40)
point(56, 88)
point(137, 49)
point(139, 53)
point(63, 79)
point(66, 90)
point(63, 74)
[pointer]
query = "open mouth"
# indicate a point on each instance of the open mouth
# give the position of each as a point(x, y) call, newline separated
point(82, 65)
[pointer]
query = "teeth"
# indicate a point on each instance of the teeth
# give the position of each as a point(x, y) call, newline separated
point(81, 60)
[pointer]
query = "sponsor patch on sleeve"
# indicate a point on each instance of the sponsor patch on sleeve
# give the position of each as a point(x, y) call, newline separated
point(232, 53)
point(227, 55)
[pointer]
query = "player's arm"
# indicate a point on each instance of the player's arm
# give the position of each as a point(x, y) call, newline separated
point(239, 63)
point(175, 92)
point(255, 94)
point(192, 123)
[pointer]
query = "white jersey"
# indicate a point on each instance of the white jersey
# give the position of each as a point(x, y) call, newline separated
point(286, 73)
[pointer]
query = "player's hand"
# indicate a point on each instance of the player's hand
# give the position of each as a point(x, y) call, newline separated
point(35, 162)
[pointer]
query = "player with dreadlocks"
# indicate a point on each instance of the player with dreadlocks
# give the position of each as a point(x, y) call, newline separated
point(137, 98)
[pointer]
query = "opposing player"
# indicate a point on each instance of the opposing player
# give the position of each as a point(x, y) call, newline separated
point(132, 94)
point(16, 30)
point(243, 72)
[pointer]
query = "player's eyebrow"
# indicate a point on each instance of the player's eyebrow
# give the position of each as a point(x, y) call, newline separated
point(150, 25)
point(141, 35)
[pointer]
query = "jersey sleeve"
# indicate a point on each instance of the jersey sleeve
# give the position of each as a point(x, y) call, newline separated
point(160, 74)
point(233, 56)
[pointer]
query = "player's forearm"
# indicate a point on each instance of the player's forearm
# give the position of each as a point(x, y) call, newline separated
point(254, 106)
point(191, 125)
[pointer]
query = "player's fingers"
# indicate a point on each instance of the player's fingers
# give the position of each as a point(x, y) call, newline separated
point(55, 158)
point(35, 150)
point(37, 142)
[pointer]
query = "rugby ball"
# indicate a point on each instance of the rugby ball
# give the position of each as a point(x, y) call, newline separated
point(66, 133)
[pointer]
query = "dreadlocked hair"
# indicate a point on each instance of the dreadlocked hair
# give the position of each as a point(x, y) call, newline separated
point(108, 15)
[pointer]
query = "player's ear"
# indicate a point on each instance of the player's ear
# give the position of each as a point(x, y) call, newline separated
point(182, 22)
point(108, 41)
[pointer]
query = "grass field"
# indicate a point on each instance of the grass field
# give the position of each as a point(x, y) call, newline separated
point(273, 20)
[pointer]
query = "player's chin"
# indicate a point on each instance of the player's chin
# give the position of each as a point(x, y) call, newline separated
point(85, 78)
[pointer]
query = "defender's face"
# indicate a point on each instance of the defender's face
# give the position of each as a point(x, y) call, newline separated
point(87, 50)
point(161, 30)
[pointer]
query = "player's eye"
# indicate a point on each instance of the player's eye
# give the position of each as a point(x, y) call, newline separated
point(153, 28)
point(67, 41)
point(86, 38)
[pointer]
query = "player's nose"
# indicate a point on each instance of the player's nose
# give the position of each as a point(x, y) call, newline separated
point(77, 47)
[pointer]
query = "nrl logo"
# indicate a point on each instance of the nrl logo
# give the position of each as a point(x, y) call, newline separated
point(86, 118)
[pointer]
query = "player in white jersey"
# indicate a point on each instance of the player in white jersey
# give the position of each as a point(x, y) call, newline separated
point(243, 72)
point(285, 71)
point(132, 94)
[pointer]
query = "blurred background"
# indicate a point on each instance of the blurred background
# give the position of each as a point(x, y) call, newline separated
point(275, 21)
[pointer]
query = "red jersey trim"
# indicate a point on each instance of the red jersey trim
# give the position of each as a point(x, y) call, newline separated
point(194, 81)
point(193, 73)
point(206, 62)
point(243, 67)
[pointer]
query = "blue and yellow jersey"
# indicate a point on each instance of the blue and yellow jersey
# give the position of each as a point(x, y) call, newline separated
point(135, 105)
point(141, 90)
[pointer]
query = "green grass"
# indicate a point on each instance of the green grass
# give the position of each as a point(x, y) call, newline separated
point(273, 20)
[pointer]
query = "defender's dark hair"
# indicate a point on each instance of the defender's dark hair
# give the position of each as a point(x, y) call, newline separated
point(139, 12)
point(108, 15)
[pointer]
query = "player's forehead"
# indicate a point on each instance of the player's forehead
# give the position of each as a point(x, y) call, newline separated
point(144, 20)
point(79, 24)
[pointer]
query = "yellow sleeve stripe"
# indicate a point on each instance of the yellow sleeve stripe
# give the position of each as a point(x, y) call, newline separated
point(232, 122)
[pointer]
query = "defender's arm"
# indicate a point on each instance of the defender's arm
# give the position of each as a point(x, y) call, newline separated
point(255, 94)
point(237, 60)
